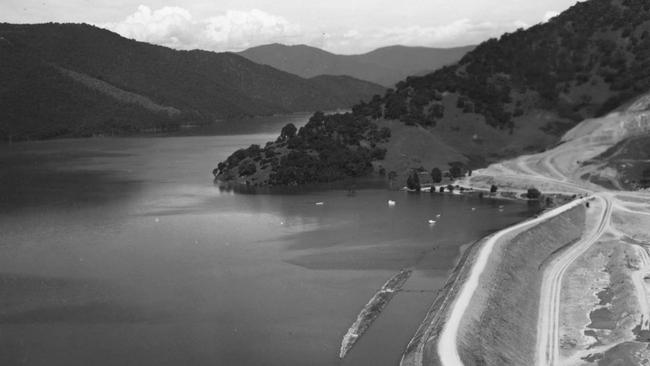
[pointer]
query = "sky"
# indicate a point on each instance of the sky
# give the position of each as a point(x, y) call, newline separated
point(339, 26)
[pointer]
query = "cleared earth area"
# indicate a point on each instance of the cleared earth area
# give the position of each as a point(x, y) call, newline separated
point(606, 316)
point(569, 288)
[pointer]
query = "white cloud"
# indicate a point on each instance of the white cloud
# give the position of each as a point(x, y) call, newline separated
point(235, 30)
point(550, 14)
point(231, 31)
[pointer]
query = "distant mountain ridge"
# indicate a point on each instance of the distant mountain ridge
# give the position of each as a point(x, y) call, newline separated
point(80, 80)
point(384, 66)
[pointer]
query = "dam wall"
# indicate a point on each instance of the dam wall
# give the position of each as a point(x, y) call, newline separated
point(500, 325)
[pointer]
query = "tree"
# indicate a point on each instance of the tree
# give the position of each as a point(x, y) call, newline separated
point(247, 168)
point(493, 189)
point(413, 181)
point(287, 132)
point(457, 169)
point(436, 175)
point(533, 193)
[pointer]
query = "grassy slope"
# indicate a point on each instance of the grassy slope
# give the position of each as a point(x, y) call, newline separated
point(415, 147)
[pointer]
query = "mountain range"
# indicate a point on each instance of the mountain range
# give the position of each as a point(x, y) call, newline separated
point(385, 66)
point(509, 96)
point(80, 80)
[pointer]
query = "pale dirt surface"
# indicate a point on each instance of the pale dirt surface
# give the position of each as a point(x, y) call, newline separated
point(608, 268)
point(584, 279)
point(612, 255)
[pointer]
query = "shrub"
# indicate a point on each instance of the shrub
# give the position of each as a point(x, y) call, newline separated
point(436, 175)
point(533, 193)
point(455, 171)
point(287, 132)
point(413, 181)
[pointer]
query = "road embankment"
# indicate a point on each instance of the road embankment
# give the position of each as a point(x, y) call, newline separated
point(499, 325)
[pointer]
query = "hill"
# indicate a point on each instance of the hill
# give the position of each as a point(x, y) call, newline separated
point(384, 66)
point(512, 95)
point(78, 80)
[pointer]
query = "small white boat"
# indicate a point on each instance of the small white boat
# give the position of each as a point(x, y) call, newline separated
point(391, 203)
point(431, 222)
point(320, 203)
point(473, 208)
point(438, 215)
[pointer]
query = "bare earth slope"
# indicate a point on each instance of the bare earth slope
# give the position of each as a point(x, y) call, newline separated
point(607, 324)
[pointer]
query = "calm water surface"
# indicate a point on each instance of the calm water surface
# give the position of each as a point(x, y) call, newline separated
point(120, 251)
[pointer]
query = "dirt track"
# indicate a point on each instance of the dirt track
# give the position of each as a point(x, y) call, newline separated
point(560, 170)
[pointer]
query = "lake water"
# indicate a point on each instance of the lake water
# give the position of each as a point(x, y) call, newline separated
point(121, 251)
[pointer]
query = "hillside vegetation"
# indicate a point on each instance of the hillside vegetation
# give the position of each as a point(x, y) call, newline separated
point(385, 66)
point(78, 80)
point(521, 92)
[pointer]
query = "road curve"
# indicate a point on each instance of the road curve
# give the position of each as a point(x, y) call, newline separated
point(447, 343)
point(548, 327)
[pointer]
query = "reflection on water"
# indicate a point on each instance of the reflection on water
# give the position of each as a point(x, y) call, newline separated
point(122, 252)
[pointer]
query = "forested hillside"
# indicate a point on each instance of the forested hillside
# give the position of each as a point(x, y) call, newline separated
point(76, 80)
point(520, 92)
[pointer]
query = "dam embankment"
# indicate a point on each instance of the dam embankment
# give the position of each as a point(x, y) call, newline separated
point(499, 325)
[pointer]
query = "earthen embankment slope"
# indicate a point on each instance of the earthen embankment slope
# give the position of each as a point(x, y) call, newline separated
point(499, 326)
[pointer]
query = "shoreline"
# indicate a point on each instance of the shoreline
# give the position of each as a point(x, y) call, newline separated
point(433, 321)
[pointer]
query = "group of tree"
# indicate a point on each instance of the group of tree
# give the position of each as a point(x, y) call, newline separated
point(326, 149)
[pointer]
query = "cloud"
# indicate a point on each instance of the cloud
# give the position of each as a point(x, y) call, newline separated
point(231, 31)
point(550, 14)
point(235, 30)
